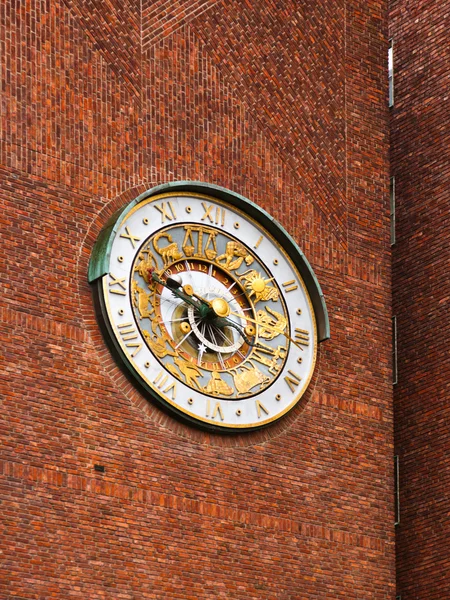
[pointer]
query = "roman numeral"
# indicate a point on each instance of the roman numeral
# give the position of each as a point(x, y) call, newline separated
point(302, 336)
point(161, 380)
point(290, 286)
point(293, 380)
point(260, 407)
point(133, 239)
point(217, 410)
point(219, 217)
point(165, 213)
point(120, 283)
point(128, 333)
point(258, 242)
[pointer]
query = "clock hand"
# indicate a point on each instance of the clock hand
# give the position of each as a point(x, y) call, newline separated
point(205, 308)
point(173, 285)
point(264, 326)
point(223, 321)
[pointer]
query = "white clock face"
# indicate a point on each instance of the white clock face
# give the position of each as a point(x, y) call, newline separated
point(209, 311)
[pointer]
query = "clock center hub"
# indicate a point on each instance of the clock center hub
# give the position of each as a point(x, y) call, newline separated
point(221, 307)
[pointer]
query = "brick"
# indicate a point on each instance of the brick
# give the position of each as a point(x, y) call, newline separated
point(285, 103)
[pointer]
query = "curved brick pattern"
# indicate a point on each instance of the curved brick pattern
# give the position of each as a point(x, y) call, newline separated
point(114, 29)
point(302, 66)
point(161, 18)
point(230, 148)
point(420, 162)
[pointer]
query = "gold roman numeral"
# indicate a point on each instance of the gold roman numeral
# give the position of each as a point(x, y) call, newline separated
point(258, 242)
point(293, 380)
point(165, 213)
point(217, 410)
point(128, 333)
point(161, 380)
point(218, 218)
point(260, 407)
point(133, 239)
point(302, 336)
point(290, 286)
point(120, 283)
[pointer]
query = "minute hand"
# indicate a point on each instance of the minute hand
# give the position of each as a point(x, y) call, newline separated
point(263, 326)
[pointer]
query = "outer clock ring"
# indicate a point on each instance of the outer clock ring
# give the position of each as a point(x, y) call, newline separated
point(212, 415)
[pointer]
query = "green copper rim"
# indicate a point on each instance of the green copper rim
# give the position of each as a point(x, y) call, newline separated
point(100, 257)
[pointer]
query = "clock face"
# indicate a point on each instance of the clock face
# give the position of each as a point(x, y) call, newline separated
point(208, 311)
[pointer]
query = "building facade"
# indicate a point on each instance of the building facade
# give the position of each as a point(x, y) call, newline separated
point(104, 495)
point(420, 166)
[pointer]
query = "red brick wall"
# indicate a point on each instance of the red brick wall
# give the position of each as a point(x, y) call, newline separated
point(421, 287)
point(284, 103)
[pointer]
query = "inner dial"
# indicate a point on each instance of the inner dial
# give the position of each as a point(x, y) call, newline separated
point(211, 345)
point(210, 311)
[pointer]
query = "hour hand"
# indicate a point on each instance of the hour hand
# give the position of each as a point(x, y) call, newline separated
point(175, 286)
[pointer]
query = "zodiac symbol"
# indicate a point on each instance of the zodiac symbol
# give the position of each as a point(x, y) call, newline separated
point(158, 346)
point(170, 252)
point(218, 386)
point(257, 285)
point(248, 378)
point(272, 363)
point(146, 265)
point(234, 250)
point(264, 319)
point(190, 371)
point(141, 300)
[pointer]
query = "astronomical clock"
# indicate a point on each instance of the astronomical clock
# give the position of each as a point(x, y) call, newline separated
point(209, 304)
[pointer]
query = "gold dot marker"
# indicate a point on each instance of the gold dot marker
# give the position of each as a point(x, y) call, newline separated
point(238, 412)
point(250, 330)
point(120, 258)
point(121, 311)
point(147, 364)
point(299, 311)
point(275, 261)
point(145, 221)
point(190, 401)
point(188, 209)
point(185, 327)
point(278, 397)
point(237, 225)
point(300, 359)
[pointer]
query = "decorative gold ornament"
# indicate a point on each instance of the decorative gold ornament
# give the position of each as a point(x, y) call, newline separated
point(220, 307)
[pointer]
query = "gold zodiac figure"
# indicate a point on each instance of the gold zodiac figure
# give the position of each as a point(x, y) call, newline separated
point(141, 300)
point(248, 377)
point(217, 386)
point(146, 265)
point(170, 252)
point(272, 363)
point(257, 285)
point(190, 371)
point(279, 322)
point(158, 345)
point(236, 251)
